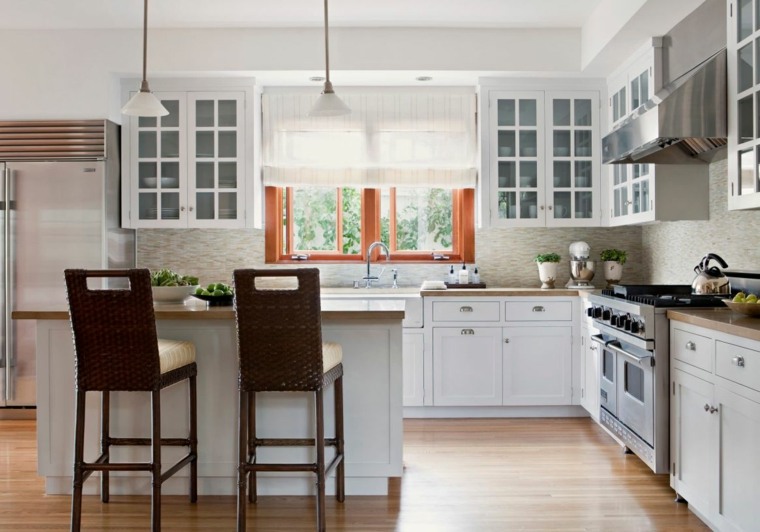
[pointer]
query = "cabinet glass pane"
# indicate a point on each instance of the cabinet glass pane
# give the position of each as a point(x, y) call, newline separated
point(506, 112)
point(561, 143)
point(227, 113)
point(561, 205)
point(636, 207)
point(561, 174)
point(172, 119)
point(645, 204)
point(528, 205)
point(507, 143)
point(745, 116)
point(227, 175)
point(170, 206)
point(146, 121)
point(204, 206)
point(620, 173)
point(582, 112)
point(561, 112)
point(507, 174)
point(615, 107)
point(507, 202)
point(744, 68)
point(528, 174)
point(147, 173)
point(747, 172)
point(527, 112)
point(744, 20)
point(170, 144)
point(757, 61)
point(583, 204)
point(227, 144)
point(204, 144)
point(583, 174)
point(170, 175)
point(528, 144)
point(621, 201)
point(204, 175)
point(635, 94)
point(644, 86)
point(227, 205)
point(204, 113)
point(621, 103)
point(147, 141)
point(147, 206)
point(583, 143)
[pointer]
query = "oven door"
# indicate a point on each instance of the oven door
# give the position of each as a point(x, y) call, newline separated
point(607, 376)
point(635, 389)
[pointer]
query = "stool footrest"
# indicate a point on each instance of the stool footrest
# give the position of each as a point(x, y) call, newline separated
point(183, 442)
point(288, 442)
point(281, 467)
point(179, 465)
point(132, 466)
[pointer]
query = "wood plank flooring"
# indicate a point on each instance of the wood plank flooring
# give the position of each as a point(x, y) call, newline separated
point(476, 475)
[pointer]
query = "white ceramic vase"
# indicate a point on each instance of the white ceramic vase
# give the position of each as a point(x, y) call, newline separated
point(613, 272)
point(547, 273)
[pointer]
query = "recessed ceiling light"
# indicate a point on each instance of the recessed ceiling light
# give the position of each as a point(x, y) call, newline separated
point(423, 78)
point(317, 78)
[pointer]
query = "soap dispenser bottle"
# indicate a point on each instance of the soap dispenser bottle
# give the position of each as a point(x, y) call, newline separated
point(475, 276)
point(464, 275)
point(452, 275)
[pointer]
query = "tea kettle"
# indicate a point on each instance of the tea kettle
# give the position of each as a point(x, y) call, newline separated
point(709, 279)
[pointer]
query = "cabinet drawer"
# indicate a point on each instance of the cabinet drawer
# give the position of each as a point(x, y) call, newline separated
point(738, 364)
point(693, 349)
point(465, 311)
point(539, 311)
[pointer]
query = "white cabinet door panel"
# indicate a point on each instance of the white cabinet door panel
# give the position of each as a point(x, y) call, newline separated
point(413, 354)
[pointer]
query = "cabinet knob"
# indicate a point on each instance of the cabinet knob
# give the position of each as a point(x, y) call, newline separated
point(713, 409)
point(467, 331)
point(738, 361)
point(549, 207)
point(691, 346)
point(465, 309)
point(707, 407)
point(539, 308)
point(629, 203)
point(190, 209)
point(506, 340)
point(182, 209)
point(541, 207)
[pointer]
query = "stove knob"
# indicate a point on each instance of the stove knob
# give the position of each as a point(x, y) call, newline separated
point(634, 326)
point(627, 323)
point(590, 312)
point(597, 312)
point(606, 314)
point(614, 320)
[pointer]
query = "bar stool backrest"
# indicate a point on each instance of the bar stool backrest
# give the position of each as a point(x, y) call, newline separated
point(115, 341)
point(279, 331)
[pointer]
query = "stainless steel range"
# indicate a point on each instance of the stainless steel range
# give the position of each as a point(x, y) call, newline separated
point(634, 377)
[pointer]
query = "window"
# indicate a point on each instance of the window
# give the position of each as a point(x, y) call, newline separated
point(400, 169)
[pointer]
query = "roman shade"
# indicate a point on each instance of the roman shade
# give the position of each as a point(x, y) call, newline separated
point(392, 138)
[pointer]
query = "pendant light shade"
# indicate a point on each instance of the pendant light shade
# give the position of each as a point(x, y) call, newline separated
point(144, 103)
point(328, 103)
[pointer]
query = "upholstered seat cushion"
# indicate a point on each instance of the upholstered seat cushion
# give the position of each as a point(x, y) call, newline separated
point(174, 354)
point(332, 355)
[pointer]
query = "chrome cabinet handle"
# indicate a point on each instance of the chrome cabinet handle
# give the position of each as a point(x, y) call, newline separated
point(707, 407)
point(691, 346)
point(713, 409)
point(738, 361)
point(465, 309)
point(539, 308)
point(467, 331)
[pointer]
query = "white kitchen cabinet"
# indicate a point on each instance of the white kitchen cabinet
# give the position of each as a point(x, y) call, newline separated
point(743, 54)
point(589, 372)
point(467, 366)
point(537, 365)
point(191, 167)
point(543, 158)
point(413, 353)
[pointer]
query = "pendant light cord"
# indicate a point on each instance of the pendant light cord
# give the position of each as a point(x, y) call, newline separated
point(144, 84)
point(327, 51)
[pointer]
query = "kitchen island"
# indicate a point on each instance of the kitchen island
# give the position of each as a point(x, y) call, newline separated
point(370, 334)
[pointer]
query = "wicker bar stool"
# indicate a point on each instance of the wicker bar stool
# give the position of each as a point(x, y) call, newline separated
point(117, 349)
point(280, 350)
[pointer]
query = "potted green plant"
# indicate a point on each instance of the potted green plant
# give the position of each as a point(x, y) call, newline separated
point(547, 268)
point(613, 260)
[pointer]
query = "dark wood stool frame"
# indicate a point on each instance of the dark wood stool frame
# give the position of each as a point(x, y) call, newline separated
point(116, 349)
point(280, 350)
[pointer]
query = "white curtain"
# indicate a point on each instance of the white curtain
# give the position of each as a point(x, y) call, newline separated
point(399, 138)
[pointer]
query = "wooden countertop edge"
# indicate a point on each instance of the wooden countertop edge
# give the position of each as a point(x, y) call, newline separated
point(216, 314)
point(514, 292)
point(721, 319)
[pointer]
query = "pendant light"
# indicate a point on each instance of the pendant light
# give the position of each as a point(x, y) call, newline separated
point(328, 103)
point(144, 103)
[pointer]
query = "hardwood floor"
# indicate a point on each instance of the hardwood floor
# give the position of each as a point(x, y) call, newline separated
point(461, 475)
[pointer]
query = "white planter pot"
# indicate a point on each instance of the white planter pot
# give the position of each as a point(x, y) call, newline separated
point(547, 272)
point(613, 272)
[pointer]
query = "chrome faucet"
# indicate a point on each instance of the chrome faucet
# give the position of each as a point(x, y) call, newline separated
point(369, 277)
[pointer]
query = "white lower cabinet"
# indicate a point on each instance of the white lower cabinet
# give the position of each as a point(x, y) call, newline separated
point(413, 355)
point(537, 365)
point(467, 366)
point(715, 427)
point(589, 371)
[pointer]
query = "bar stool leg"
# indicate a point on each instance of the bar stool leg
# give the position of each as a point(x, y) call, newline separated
point(253, 494)
point(193, 439)
point(242, 473)
point(76, 499)
point(105, 442)
point(320, 460)
point(340, 472)
point(156, 449)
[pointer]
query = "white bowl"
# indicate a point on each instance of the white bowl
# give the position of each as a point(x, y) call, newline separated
point(172, 294)
point(149, 182)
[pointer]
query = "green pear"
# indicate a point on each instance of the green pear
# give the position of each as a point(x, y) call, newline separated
point(739, 297)
point(751, 298)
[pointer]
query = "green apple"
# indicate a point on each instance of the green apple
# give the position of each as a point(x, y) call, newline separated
point(751, 298)
point(739, 297)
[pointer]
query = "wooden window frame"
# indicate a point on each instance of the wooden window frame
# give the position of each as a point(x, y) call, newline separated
point(462, 241)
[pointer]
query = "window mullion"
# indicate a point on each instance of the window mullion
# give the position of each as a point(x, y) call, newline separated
point(339, 220)
point(392, 226)
point(289, 221)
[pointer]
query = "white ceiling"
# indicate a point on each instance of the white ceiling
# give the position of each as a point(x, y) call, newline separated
point(47, 14)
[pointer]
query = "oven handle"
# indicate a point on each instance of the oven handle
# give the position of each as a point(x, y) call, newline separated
point(611, 345)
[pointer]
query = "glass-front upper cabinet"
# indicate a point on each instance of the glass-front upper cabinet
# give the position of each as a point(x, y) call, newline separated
point(743, 104)
point(187, 168)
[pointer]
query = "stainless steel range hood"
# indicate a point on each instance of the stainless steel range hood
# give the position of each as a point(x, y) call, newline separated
point(682, 123)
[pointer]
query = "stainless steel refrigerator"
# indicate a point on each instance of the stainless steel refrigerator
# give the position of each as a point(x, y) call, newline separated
point(60, 201)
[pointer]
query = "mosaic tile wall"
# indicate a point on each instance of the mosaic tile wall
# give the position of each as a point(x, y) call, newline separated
point(674, 248)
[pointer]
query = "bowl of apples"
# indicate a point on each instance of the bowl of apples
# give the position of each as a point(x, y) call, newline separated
point(215, 294)
point(746, 304)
